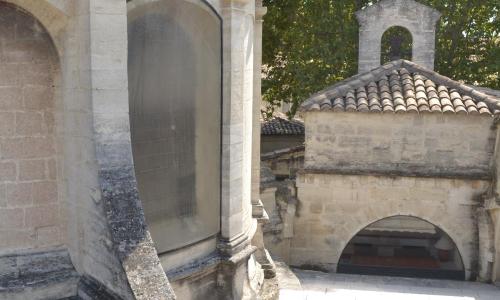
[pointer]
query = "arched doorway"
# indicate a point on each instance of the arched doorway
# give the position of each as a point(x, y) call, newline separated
point(402, 246)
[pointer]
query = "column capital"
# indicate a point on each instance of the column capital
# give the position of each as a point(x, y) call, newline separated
point(260, 12)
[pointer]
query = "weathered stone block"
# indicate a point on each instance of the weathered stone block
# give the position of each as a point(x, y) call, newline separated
point(29, 147)
point(37, 73)
point(15, 238)
point(354, 141)
point(38, 97)
point(11, 218)
point(9, 75)
point(26, 51)
point(3, 200)
point(32, 169)
point(18, 194)
point(49, 235)
point(44, 192)
point(10, 98)
point(51, 169)
point(7, 124)
point(8, 171)
point(316, 207)
point(42, 216)
point(29, 123)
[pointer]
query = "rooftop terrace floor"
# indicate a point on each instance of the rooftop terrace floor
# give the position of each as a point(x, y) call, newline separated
point(319, 285)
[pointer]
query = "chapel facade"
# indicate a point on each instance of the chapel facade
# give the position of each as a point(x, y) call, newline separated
point(399, 171)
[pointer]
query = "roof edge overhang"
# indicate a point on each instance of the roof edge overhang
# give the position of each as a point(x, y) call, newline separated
point(339, 89)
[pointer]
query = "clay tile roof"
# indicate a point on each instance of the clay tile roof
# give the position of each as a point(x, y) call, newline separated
point(279, 124)
point(402, 86)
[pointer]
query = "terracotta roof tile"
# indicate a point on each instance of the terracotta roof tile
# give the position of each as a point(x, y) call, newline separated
point(402, 86)
point(280, 125)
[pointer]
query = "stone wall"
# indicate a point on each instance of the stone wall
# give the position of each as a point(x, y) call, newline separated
point(400, 144)
point(495, 216)
point(276, 142)
point(334, 208)
point(280, 202)
point(494, 213)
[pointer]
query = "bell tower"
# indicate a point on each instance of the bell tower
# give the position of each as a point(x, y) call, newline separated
point(420, 20)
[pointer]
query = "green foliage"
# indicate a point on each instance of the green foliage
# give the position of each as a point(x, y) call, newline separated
point(311, 44)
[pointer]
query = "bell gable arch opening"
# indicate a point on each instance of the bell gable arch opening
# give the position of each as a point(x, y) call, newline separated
point(396, 43)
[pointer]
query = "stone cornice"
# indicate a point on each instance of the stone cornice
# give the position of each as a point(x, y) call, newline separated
point(465, 173)
point(363, 14)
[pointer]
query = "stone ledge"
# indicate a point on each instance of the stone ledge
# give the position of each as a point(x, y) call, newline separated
point(208, 264)
point(197, 268)
point(401, 171)
point(29, 274)
point(91, 289)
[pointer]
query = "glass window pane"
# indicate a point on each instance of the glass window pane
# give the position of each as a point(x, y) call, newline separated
point(175, 102)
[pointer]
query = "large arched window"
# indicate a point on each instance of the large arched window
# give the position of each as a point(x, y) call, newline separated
point(175, 112)
point(397, 44)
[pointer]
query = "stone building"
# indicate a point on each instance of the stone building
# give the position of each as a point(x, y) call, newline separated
point(126, 137)
point(279, 132)
point(394, 143)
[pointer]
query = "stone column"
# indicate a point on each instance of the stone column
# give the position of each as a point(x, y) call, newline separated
point(257, 207)
point(237, 114)
point(258, 212)
point(236, 209)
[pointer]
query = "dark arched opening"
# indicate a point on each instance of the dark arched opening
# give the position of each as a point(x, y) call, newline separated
point(402, 246)
point(397, 44)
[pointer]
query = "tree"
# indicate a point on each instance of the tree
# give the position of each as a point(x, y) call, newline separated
point(311, 44)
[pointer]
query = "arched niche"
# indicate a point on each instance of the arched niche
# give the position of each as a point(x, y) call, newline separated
point(175, 97)
point(396, 43)
point(32, 209)
point(52, 18)
point(402, 246)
